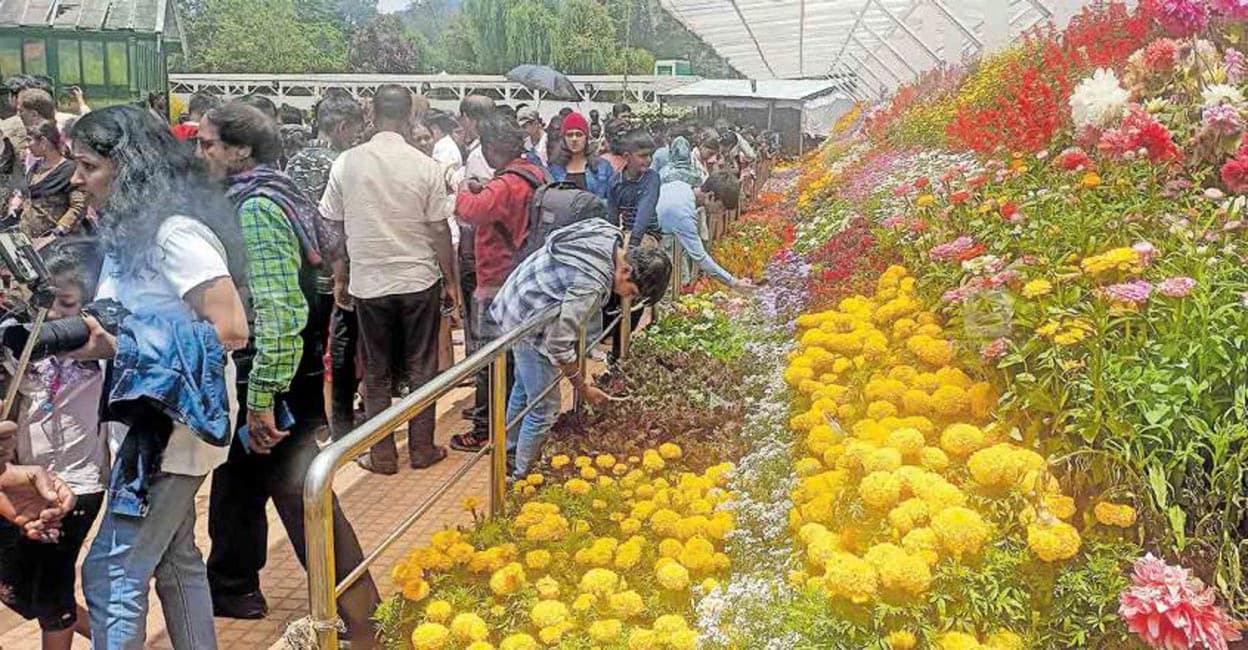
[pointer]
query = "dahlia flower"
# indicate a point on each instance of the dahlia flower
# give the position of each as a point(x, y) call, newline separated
point(1219, 94)
point(1236, 65)
point(1169, 608)
point(1223, 120)
point(1160, 55)
point(1074, 158)
point(1182, 17)
point(1098, 100)
point(1235, 174)
point(1178, 287)
point(1139, 130)
point(995, 350)
point(1135, 292)
point(1233, 9)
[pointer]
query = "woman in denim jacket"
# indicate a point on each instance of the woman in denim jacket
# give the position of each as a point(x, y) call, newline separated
point(165, 230)
point(575, 164)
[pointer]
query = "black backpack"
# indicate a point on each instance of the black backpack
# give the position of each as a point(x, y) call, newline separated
point(553, 206)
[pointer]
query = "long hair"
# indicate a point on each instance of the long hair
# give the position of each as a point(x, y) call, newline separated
point(155, 177)
point(563, 156)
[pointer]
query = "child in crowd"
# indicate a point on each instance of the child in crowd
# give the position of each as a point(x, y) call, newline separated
point(59, 430)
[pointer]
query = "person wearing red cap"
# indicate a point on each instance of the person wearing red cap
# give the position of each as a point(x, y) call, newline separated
point(575, 163)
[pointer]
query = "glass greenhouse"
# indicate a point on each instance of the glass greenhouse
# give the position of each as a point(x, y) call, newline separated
point(115, 50)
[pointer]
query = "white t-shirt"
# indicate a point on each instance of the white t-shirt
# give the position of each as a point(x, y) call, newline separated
point(60, 428)
point(188, 255)
point(447, 153)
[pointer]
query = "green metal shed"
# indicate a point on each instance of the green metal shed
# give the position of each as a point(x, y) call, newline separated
point(115, 50)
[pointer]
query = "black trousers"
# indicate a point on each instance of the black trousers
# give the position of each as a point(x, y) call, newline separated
point(486, 330)
point(238, 524)
point(402, 328)
point(344, 338)
point(609, 312)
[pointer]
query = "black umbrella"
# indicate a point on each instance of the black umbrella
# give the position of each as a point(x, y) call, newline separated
point(545, 79)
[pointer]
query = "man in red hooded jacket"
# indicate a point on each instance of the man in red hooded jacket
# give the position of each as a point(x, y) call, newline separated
point(498, 211)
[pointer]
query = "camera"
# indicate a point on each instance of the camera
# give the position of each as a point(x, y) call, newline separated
point(66, 334)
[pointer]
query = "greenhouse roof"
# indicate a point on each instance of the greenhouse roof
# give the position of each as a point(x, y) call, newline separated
point(780, 89)
point(149, 16)
point(787, 39)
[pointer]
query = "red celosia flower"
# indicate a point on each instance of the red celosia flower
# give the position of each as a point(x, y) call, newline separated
point(1235, 174)
point(972, 252)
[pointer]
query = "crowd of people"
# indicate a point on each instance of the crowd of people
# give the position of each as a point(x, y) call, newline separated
point(246, 256)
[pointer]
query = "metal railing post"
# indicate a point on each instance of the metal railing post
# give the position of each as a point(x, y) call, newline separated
point(582, 364)
point(626, 325)
point(318, 521)
point(678, 267)
point(498, 434)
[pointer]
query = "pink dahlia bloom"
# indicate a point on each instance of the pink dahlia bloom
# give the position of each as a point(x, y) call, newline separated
point(1161, 55)
point(1223, 120)
point(1134, 293)
point(1179, 287)
point(1236, 65)
point(1233, 9)
point(1168, 608)
point(1182, 17)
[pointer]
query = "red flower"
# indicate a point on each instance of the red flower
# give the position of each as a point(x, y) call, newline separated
point(1074, 158)
point(959, 197)
point(919, 225)
point(921, 182)
point(976, 182)
point(1161, 55)
point(1235, 174)
point(972, 252)
point(1008, 211)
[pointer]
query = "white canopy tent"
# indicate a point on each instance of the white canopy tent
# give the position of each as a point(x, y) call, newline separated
point(871, 45)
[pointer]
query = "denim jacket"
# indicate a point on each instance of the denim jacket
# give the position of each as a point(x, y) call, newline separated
point(167, 369)
point(597, 176)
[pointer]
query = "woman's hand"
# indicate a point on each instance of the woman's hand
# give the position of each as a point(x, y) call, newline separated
point(100, 344)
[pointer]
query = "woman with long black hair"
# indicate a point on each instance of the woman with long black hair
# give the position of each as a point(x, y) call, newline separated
point(575, 163)
point(172, 255)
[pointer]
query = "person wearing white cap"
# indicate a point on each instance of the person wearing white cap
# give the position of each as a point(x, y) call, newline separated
point(535, 143)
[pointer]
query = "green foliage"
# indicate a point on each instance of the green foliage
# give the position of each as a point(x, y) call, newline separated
point(582, 36)
point(239, 36)
point(385, 45)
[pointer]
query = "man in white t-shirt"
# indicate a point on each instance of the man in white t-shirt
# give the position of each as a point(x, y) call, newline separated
point(389, 200)
point(535, 143)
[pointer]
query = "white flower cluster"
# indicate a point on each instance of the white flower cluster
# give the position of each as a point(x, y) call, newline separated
point(1099, 100)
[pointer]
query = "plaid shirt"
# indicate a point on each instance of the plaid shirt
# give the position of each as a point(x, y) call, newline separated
point(280, 309)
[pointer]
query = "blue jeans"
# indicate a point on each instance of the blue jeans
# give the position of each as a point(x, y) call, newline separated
point(533, 373)
point(129, 551)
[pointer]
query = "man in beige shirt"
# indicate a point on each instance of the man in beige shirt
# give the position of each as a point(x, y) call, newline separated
point(390, 202)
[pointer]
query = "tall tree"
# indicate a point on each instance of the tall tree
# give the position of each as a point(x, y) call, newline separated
point(530, 30)
point(269, 36)
point(385, 45)
point(584, 38)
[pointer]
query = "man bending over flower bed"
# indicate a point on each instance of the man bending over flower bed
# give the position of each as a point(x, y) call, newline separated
point(578, 269)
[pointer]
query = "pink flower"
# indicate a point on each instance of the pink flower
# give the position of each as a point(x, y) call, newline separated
point(959, 197)
point(895, 221)
point(1146, 251)
point(1178, 287)
point(1168, 608)
point(1233, 9)
point(995, 350)
point(1223, 120)
point(951, 250)
point(1182, 17)
point(1139, 130)
point(1134, 293)
point(1074, 158)
point(1161, 55)
point(1236, 65)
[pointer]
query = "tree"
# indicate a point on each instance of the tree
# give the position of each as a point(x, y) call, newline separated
point(530, 30)
point(385, 45)
point(631, 60)
point(270, 36)
point(584, 38)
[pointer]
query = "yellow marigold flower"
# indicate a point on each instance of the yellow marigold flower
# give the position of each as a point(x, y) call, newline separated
point(932, 351)
point(416, 590)
point(519, 642)
point(909, 514)
point(881, 409)
point(1117, 259)
point(885, 459)
point(537, 560)
point(479, 645)
point(547, 613)
point(626, 604)
point(469, 627)
point(470, 504)
point(600, 582)
point(670, 451)
point(1060, 506)
point(1003, 640)
point(685, 639)
point(1002, 465)
point(653, 462)
point(583, 461)
point(851, 577)
point(898, 570)
point(922, 542)
point(709, 585)
point(901, 640)
point(672, 576)
point(604, 461)
point(933, 458)
point(605, 630)
point(958, 641)
point(508, 580)
point(627, 555)
point(1037, 288)
point(1090, 180)
point(880, 490)
point(439, 611)
point(1053, 541)
point(535, 479)
point(950, 401)
point(560, 461)
point(916, 402)
point(983, 399)
point(577, 486)
point(643, 639)
point(962, 439)
point(961, 531)
point(669, 624)
point(925, 200)
point(430, 636)
point(547, 588)
point(589, 473)
point(1109, 514)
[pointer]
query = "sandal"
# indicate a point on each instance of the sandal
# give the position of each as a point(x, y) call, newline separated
point(468, 442)
point(439, 455)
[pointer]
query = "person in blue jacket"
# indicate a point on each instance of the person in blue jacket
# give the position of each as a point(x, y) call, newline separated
point(575, 164)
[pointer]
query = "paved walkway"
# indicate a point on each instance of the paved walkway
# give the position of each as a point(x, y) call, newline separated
point(375, 504)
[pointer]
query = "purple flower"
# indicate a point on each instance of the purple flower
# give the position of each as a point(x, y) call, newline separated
point(1233, 9)
point(1223, 120)
point(1236, 65)
point(1178, 287)
point(995, 350)
point(1182, 17)
point(951, 250)
point(1133, 293)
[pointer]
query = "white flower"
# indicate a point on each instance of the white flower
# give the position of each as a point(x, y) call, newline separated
point(1219, 94)
point(1098, 100)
